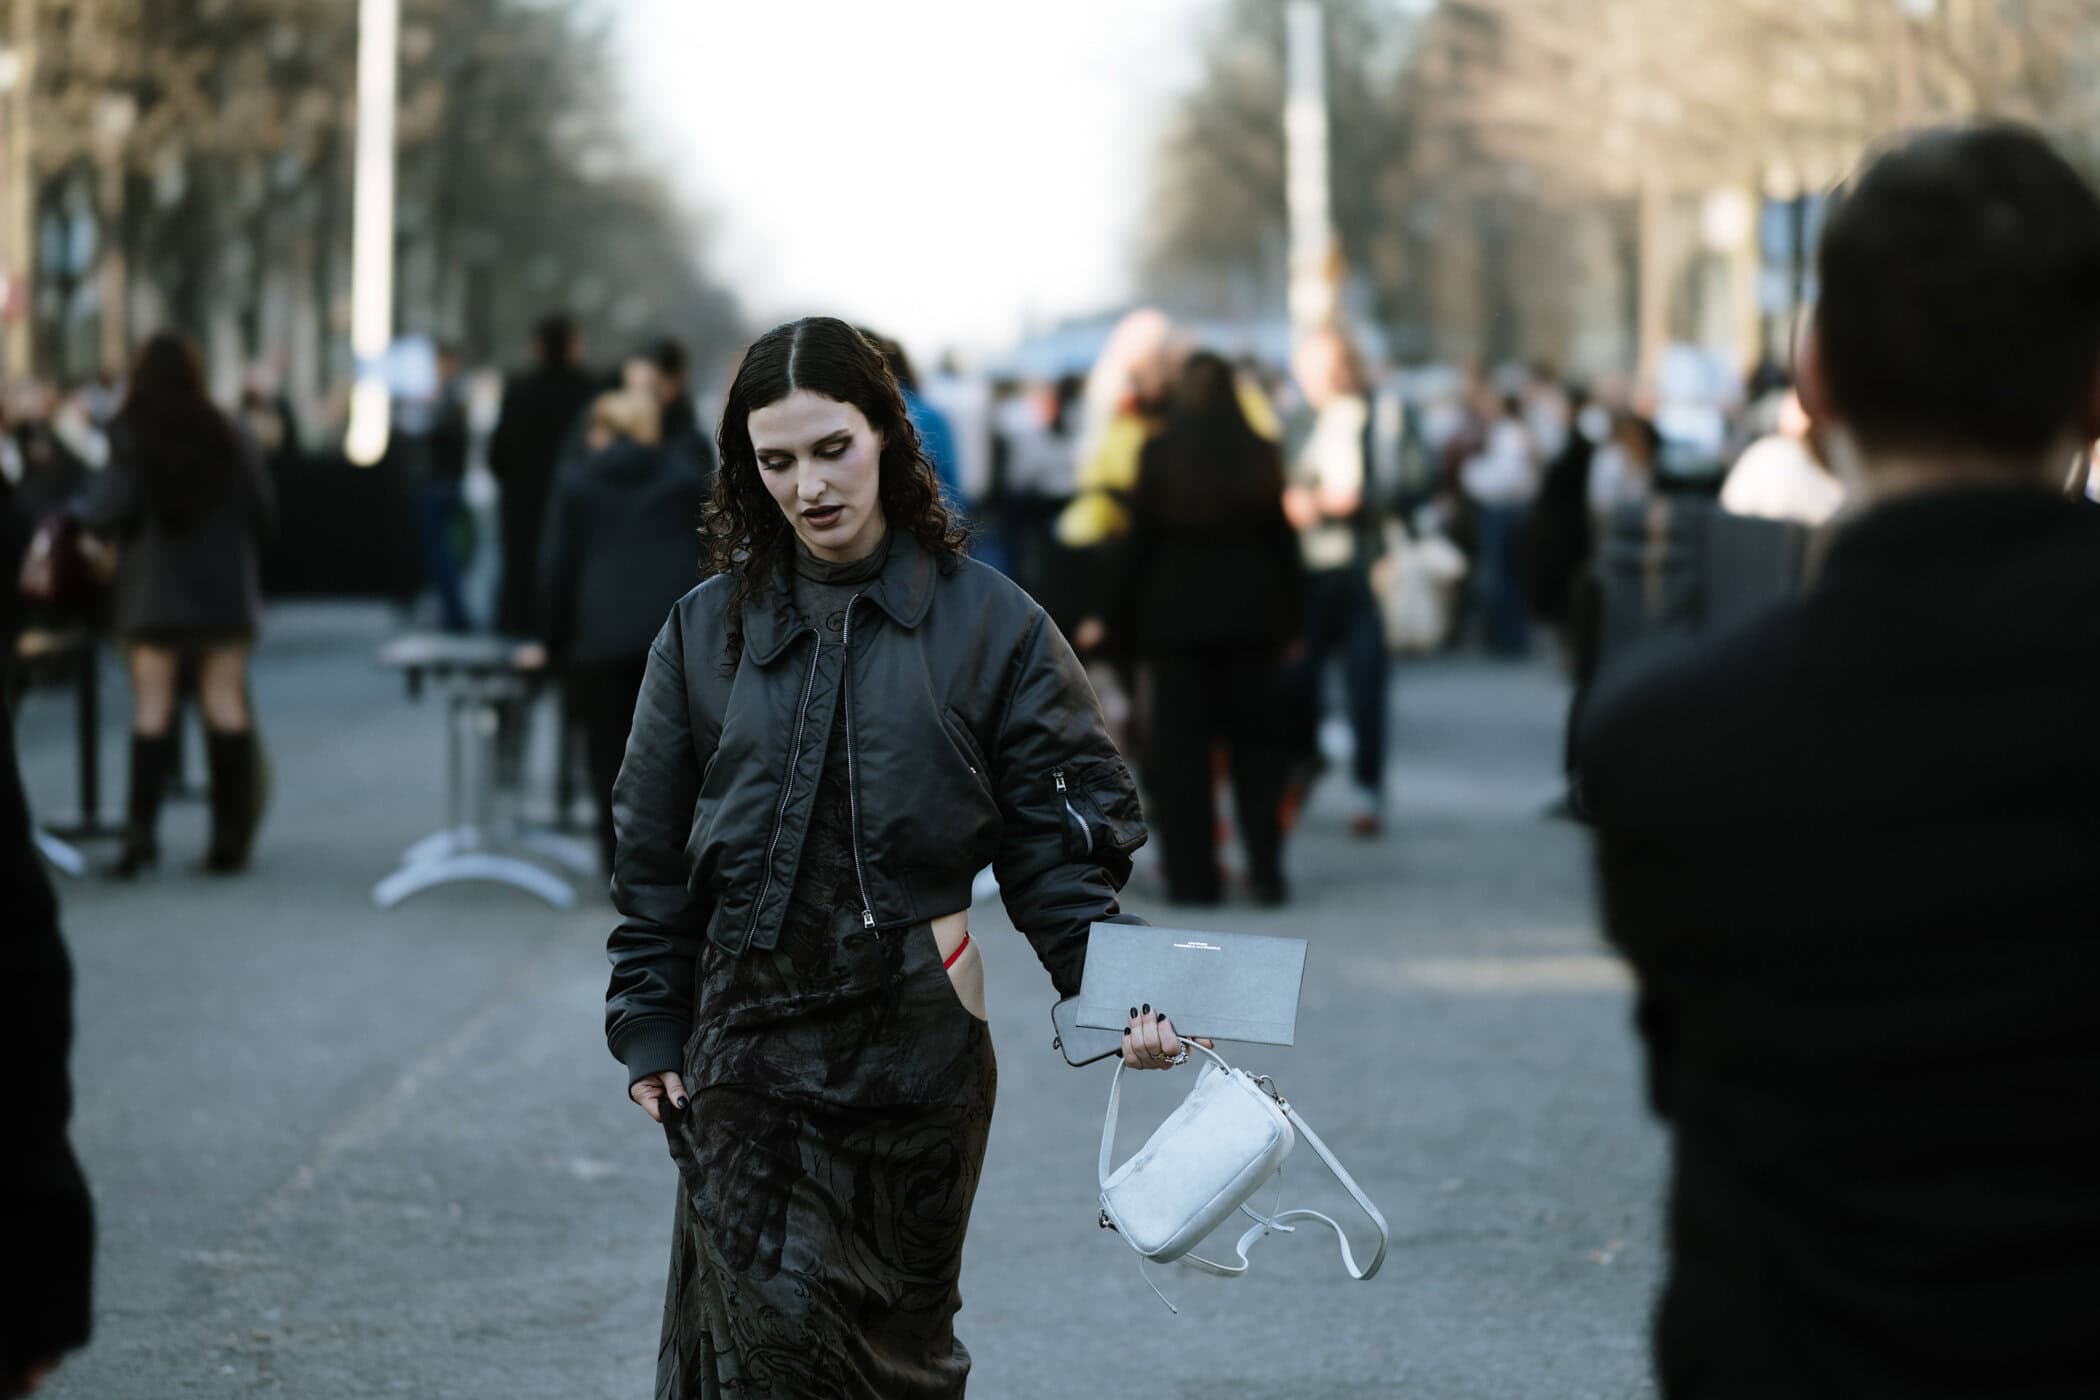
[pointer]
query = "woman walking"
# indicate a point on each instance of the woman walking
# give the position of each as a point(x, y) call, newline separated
point(187, 503)
point(1213, 597)
point(834, 735)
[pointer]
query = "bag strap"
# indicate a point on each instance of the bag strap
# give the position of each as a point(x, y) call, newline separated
point(1267, 1224)
point(1264, 1224)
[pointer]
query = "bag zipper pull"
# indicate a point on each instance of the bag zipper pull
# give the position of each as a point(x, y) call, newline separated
point(867, 918)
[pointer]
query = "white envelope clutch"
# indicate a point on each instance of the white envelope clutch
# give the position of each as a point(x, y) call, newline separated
point(1221, 986)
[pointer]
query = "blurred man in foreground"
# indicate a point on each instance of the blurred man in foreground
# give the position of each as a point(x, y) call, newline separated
point(1849, 847)
point(46, 1220)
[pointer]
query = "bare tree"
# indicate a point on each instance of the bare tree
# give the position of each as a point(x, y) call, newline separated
point(201, 147)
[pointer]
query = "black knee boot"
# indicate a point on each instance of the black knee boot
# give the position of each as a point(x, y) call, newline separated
point(237, 793)
point(150, 754)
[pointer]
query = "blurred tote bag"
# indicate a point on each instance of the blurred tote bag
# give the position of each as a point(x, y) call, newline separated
point(1415, 584)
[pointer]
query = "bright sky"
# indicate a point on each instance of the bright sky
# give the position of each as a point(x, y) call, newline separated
point(940, 169)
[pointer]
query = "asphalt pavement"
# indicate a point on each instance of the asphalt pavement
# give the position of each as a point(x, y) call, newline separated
point(339, 1152)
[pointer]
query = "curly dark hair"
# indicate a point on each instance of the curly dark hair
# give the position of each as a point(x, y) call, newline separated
point(742, 527)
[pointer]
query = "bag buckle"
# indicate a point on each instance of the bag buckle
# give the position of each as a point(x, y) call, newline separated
point(1106, 1223)
point(1268, 1086)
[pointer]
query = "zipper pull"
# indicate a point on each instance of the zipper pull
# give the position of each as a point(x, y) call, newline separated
point(867, 918)
point(1057, 775)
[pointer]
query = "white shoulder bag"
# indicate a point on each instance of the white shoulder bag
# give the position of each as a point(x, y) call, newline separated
point(1204, 1163)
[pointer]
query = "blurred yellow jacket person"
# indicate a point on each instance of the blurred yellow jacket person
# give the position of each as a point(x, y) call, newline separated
point(1098, 512)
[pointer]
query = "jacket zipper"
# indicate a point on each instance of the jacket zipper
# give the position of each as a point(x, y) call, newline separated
point(1085, 831)
point(787, 788)
point(860, 874)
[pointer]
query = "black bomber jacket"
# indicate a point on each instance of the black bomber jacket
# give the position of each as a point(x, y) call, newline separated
point(975, 739)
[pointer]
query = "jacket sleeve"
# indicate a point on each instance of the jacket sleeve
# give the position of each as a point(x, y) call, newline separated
point(648, 1005)
point(1062, 855)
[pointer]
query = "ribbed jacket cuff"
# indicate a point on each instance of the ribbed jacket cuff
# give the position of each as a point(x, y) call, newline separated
point(651, 1047)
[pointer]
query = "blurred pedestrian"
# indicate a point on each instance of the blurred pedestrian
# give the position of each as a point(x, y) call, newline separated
point(1623, 473)
point(1119, 411)
point(1549, 412)
point(835, 734)
point(47, 1223)
point(442, 519)
point(1034, 465)
point(1212, 598)
point(936, 435)
point(1329, 499)
point(1781, 477)
point(620, 549)
point(1848, 845)
point(1560, 532)
point(1500, 480)
point(186, 502)
point(674, 390)
point(540, 410)
point(267, 414)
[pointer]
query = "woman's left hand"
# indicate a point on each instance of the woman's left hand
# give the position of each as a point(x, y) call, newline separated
point(1150, 1043)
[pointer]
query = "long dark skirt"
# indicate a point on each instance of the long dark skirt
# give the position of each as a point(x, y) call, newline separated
point(826, 1165)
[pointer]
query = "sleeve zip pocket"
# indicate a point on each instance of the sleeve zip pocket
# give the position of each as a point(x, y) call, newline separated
point(1064, 796)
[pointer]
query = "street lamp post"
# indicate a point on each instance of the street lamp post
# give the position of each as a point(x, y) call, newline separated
point(372, 229)
point(18, 206)
point(115, 117)
point(1314, 260)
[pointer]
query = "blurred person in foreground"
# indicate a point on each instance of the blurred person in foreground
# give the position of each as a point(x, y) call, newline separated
point(836, 732)
point(618, 552)
point(1848, 847)
point(187, 503)
point(540, 409)
point(1212, 596)
point(1328, 498)
point(47, 1224)
point(1781, 477)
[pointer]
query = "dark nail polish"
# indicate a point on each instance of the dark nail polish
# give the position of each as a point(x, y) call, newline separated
point(1133, 1013)
point(1148, 1008)
point(1162, 1016)
point(678, 1104)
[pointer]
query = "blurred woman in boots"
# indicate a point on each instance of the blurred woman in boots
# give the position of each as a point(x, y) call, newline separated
point(186, 501)
point(1213, 597)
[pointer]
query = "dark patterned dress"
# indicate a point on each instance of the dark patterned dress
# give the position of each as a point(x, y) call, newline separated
point(841, 1096)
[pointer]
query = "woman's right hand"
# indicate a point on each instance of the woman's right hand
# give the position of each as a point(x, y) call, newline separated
point(653, 1091)
point(1149, 1041)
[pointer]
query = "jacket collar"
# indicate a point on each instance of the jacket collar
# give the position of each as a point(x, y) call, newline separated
point(903, 591)
point(1936, 531)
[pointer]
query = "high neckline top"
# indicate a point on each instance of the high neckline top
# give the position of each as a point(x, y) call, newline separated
point(863, 570)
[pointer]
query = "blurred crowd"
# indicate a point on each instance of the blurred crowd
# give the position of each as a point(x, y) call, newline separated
point(1237, 547)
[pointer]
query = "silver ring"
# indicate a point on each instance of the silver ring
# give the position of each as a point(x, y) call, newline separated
point(1180, 1059)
